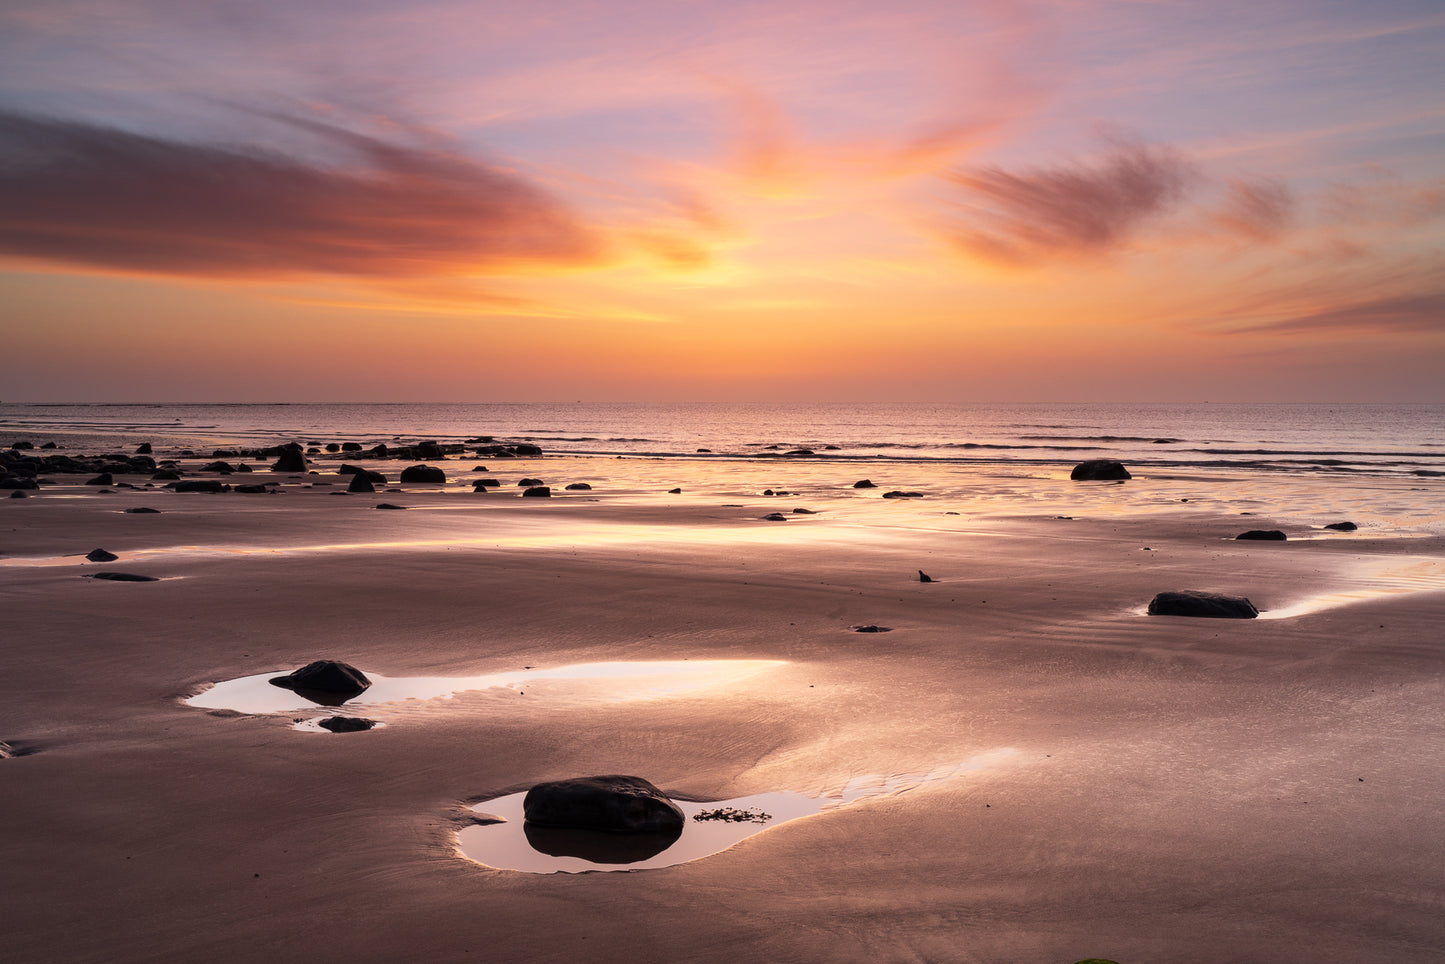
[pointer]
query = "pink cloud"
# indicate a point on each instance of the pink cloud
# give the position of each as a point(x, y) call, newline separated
point(89, 196)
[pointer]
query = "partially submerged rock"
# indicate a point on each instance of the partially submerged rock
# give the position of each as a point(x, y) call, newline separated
point(579, 487)
point(123, 577)
point(202, 485)
point(1100, 470)
point(1262, 535)
point(290, 459)
point(328, 676)
point(864, 484)
point(345, 724)
point(538, 492)
point(1190, 602)
point(360, 483)
point(616, 804)
point(902, 495)
point(1342, 526)
point(101, 555)
point(924, 577)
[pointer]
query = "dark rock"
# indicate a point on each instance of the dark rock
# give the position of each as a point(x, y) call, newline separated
point(224, 454)
point(924, 577)
point(617, 804)
point(49, 445)
point(707, 451)
point(218, 466)
point(345, 724)
point(522, 448)
point(480, 468)
point(674, 492)
point(101, 555)
point(423, 473)
point(864, 484)
point(351, 446)
point(143, 449)
point(486, 484)
point(799, 452)
point(22, 445)
point(767, 492)
point(360, 483)
point(291, 459)
point(531, 482)
point(579, 487)
point(902, 495)
point(1342, 526)
point(804, 512)
point(18, 482)
point(598, 846)
point(538, 492)
point(1099, 470)
point(775, 517)
point(1262, 535)
point(202, 485)
point(123, 577)
point(388, 505)
point(332, 447)
point(872, 629)
point(325, 676)
point(103, 478)
point(143, 510)
point(256, 489)
point(429, 450)
point(1205, 604)
point(243, 467)
point(166, 475)
point(19, 494)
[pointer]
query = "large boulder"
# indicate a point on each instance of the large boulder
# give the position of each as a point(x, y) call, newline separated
point(1191, 602)
point(360, 483)
point(291, 459)
point(617, 804)
point(1099, 470)
point(326, 676)
point(423, 473)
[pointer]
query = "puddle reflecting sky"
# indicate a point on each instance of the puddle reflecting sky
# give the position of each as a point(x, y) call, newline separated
point(512, 845)
point(610, 680)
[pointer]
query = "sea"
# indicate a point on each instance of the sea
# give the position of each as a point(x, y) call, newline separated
point(1362, 439)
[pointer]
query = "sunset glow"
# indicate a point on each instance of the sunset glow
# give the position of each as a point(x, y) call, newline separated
point(1072, 199)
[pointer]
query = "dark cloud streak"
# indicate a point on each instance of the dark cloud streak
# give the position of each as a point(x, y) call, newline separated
point(98, 197)
point(1067, 212)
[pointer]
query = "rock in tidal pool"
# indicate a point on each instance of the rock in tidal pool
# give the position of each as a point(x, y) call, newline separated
point(1099, 470)
point(345, 724)
point(1191, 602)
point(1261, 535)
point(101, 555)
point(616, 804)
point(328, 676)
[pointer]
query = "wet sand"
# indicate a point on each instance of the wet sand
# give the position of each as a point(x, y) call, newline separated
point(1157, 788)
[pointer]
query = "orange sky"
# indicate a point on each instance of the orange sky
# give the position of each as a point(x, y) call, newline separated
point(1074, 200)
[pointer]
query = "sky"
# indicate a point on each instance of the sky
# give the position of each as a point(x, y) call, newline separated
point(653, 200)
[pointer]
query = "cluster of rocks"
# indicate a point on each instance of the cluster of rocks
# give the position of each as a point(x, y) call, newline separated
point(19, 470)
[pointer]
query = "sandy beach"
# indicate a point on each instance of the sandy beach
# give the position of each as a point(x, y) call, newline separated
point(1071, 777)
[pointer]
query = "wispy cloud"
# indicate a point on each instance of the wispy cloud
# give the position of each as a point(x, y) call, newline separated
point(1071, 211)
point(1417, 312)
point(84, 195)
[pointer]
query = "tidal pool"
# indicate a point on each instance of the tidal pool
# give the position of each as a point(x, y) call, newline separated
point(587, 681)
point(502, 838)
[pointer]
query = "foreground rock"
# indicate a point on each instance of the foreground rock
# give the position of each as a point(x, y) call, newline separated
point(101, 555)
point(616, 804)
point(325, 676)
point(123, 577)
point(1262, 535)
point(1206, 604)
point(360, 483)
point(291, 458)
point(1099, 470)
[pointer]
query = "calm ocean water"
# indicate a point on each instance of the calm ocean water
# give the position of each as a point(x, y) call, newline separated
point(1376, 439)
